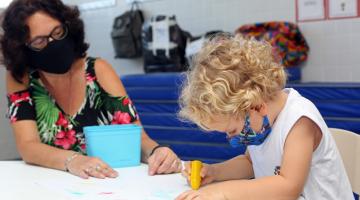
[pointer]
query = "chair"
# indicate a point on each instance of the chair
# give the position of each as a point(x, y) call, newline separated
point(348, 144)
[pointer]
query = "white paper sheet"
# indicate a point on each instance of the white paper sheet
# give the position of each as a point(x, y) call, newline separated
point(132, 184)
point(310, 9)
point(343, 8)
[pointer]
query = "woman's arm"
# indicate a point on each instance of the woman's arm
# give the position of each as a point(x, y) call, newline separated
point(33, 151)
point(27, 138)
point(163, 160)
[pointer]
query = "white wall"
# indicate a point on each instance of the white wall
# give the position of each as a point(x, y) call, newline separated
point(334, 44)
point(7, 144)
point(335, 50)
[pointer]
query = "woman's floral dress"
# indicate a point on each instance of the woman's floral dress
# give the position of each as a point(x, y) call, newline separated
point(54, 126)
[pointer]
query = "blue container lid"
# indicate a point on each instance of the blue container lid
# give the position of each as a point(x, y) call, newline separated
point(109, 129)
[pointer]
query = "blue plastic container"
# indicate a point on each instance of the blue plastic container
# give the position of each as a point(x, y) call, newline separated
point(117, 145)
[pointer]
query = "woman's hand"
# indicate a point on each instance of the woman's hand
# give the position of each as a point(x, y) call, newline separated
point(164, 161)
point(85, 167)
point(207, 173)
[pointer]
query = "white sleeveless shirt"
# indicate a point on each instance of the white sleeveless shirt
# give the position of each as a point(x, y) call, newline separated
point(327, 178)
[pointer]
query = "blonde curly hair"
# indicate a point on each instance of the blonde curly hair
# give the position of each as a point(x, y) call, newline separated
point(230, 75)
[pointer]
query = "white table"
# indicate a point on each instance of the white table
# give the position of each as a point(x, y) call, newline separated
point(20, 181)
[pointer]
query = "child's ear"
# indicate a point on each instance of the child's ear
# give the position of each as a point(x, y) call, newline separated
point(262, 109)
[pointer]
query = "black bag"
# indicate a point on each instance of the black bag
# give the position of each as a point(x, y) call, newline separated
point(126, 33)
point(164, 45)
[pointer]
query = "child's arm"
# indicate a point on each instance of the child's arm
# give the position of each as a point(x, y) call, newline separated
point(295, 167)
point(239, 167)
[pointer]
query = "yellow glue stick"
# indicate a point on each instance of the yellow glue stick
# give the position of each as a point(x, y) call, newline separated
point(195, 178)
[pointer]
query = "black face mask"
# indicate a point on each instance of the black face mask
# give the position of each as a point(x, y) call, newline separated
point(57, 57)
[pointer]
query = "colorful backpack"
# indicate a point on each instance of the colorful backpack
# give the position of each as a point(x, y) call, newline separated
point(285, 36)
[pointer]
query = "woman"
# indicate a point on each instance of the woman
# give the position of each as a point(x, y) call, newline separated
point(55, 90)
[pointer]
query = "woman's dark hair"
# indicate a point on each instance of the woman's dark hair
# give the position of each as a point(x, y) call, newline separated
point(16, 32)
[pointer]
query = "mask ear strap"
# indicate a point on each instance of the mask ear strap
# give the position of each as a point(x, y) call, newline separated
point(262, 109)
point(266, 121)
point(247, 120)
point(264, 112)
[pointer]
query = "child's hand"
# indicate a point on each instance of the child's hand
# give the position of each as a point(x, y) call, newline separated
point(207, 173)
point(193, 195)
point(206, 193)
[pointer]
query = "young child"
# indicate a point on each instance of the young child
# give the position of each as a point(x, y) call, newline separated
point(237, 87)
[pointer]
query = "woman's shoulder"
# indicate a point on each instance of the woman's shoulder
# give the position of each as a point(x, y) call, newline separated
point(12, 85)
point(97, 66)
point(107, 77)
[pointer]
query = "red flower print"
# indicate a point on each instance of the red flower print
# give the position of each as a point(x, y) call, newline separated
point(13, 119)
point(126, 101)
point(65, 139)
point(60, 134)
point(62, 121)
point(121, 118)
point(18, 97)
point(90, 78)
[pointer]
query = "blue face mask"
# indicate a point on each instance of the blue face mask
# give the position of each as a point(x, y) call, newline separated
point(248, 136)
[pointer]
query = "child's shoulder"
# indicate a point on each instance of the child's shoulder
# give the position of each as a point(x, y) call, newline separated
point(297, 107)
point(298, 104)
